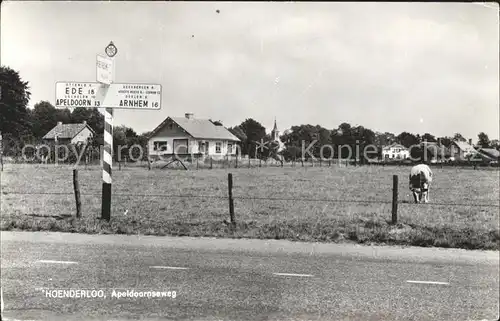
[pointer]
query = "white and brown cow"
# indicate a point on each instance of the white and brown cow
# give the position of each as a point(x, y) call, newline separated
point(420, 180)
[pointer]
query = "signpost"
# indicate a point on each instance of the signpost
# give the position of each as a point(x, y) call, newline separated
point(107, 95)
point(97, 95)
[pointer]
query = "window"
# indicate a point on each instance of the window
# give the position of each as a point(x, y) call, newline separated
point(229, 148)
point(201, 145)
point(160, 146)
point(217, 147)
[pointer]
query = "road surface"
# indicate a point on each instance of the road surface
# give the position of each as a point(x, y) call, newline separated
point(219, 279)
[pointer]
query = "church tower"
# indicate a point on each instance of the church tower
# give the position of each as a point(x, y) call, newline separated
point(275, 132)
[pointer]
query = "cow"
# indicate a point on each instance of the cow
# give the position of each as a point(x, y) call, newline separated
point(420, 180)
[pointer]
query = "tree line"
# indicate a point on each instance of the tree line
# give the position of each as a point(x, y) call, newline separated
point(23, 125)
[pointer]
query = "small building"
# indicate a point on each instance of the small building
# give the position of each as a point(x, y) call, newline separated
point(462, 150)
point(486, 155)
point(395, 151)
point(69, 134)
point(189, 135)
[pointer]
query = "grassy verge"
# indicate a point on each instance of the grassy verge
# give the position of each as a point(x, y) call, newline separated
point(363, 232)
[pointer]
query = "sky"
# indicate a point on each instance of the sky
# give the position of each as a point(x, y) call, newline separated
point(417, 67)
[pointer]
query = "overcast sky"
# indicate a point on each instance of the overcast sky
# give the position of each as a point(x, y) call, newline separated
point(419, 67)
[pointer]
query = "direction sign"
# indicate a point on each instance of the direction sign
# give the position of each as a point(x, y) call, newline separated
point(105, 69)
point(96, 95)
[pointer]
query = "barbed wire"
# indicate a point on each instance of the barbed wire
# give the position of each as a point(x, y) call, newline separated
point(260, 198)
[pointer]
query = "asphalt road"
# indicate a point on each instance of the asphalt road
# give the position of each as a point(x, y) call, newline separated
point(218, 279)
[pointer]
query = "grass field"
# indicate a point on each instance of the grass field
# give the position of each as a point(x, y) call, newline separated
point(328, 204)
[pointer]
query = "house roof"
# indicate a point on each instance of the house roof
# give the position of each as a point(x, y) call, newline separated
point(490, 152)
point(199, 128)
point(463, 145)
point(66, 131)
point(395, 145)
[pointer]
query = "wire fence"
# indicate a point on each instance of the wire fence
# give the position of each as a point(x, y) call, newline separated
point(217, 203)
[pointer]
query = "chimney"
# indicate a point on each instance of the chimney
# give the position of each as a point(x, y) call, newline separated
point(189, 115)
point(85, 122)
point(59, 123)
point(470, 141)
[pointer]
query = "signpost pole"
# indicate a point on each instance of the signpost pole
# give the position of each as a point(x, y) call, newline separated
point(107, 164)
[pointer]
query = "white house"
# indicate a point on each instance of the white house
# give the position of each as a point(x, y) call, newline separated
point(188, 135)
point(462, 150)
point(69, 133)
point(395, 151)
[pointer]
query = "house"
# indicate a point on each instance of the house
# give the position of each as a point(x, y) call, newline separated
point(189, 135)
point(487, 155)
point(435, 152)
point(395, 151)
point(69, 134)
point(462, 150)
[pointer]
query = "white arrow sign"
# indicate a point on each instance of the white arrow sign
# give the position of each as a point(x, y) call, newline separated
point(105, 69)
point(96, 95)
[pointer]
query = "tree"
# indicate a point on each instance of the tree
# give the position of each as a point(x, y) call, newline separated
point(254, 132)
point(44, 118)
point(483, 140)
point(428, 137)
point(407, 139)
point(238, 132)
point(446, 141)
point(384, 139)
point(15, 96)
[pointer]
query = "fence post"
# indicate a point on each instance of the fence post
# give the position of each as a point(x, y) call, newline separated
point(236, 164)
point(149, 163)
point(329, 162)
point(211, 163)
point(230, 193)
point(260, 162)
point(320, 162)
point(76, 187)
point(119, 165)
point(248, 160)
point(197, 161)
point(394, 199)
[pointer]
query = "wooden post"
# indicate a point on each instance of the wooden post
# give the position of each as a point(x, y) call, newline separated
point(329, 162)
point(236, 164)
point(76, 187)
point(119, 165)
point(149, 163)
point(197, 161)
point(248, 160)
point(394, 199)
point(320, 162)
point(230, 194)
point(211, 163)
point(260, 162)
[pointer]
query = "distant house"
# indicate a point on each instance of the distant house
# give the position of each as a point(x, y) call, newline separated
point(462, 150)
point(435, 152)
point(69, 134)
point(486, 155)
point(188, 135)
point(395, 151)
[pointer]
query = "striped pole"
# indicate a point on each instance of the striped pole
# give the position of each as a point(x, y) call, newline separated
point(107, 164)
point(1, 150)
